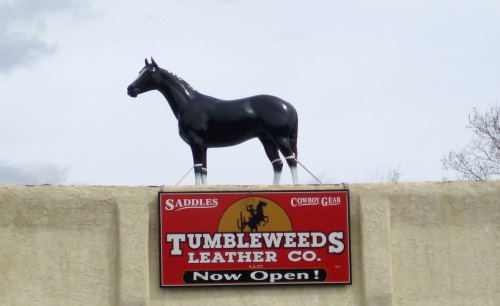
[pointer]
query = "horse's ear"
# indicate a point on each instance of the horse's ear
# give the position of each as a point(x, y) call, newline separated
point(146, 61)
point(154, 63)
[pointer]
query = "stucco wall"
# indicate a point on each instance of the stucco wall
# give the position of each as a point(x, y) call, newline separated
point(411, 244)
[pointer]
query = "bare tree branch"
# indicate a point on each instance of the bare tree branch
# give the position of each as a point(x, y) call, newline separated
point(480, 159)
point(394, 174)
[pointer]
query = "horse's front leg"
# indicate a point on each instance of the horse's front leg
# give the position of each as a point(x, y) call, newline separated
point(198, 175)
point(199, 152)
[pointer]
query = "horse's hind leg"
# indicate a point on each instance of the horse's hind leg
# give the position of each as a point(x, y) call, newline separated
point(290, 156)
point(277, 167)
point(293, 168)
point(273, 155)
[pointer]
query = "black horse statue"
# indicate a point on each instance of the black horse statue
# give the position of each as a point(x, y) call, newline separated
point(206, 122)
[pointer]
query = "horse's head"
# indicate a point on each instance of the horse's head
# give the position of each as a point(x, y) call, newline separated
point(147, 80)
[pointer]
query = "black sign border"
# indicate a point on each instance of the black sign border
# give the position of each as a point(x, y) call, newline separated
point(262, 283)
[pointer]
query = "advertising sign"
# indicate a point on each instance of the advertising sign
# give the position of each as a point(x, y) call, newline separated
point(254, 238)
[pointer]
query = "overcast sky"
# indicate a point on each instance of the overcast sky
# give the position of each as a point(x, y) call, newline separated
point(378, 85)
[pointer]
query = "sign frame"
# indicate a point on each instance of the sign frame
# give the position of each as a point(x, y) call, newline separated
point(222, 272)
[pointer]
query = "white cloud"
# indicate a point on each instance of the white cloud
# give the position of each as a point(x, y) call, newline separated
point(21, 26)
point(34, 173)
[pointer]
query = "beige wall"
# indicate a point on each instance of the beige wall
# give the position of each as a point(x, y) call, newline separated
point(412, 244)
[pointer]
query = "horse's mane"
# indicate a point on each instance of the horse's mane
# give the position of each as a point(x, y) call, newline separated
point(185, 85)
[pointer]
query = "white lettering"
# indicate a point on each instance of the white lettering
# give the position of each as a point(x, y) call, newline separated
point(269, 240)
point(289, 240)
point(296, 256)
point(318, 240)
point(176, 240)
point(229, 241)
point(336, 246)
point(169, 204)
point(194, 244)
point(181, 204)
point(258, 275)
point(230, 257)
point(293, 256)
point(215, 276)
point(309, 255)
point(326, 201)
point(255, 240)
point(303, 243)
point(212, 242)
point(272, 240)
point(304, 201)
point(277, 276)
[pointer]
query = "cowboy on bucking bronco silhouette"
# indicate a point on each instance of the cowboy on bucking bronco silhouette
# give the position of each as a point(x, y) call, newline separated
point(256, 217)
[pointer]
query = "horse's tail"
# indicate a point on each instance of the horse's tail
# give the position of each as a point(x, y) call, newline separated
point(295, 133)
